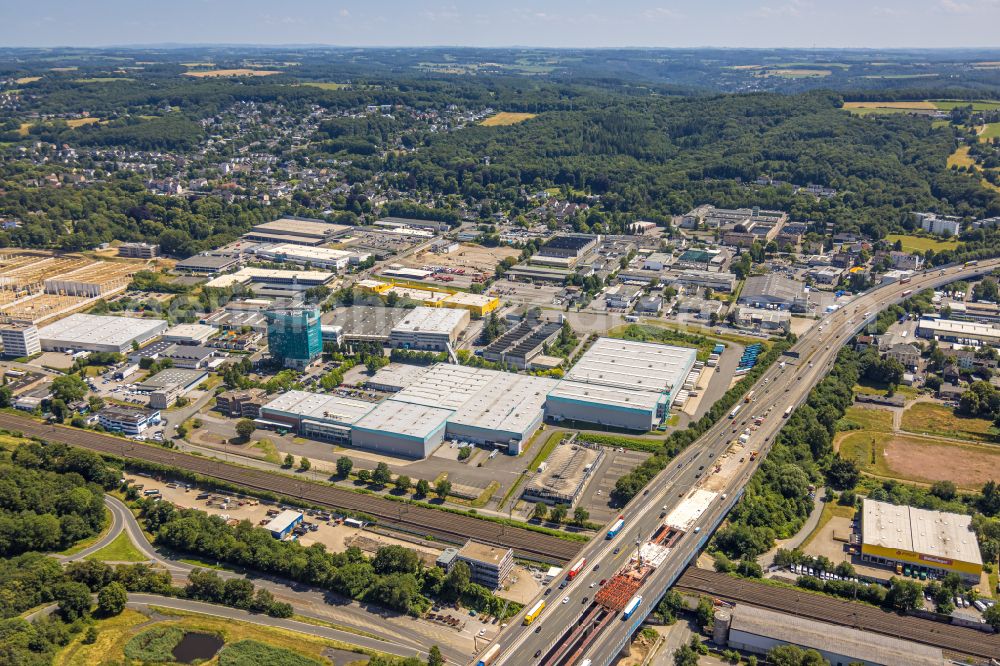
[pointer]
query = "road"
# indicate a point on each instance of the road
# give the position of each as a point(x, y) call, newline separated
point(777, 389)
point(372, 627)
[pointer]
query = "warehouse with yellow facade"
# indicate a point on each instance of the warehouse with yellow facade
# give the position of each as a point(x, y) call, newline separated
point(478, 304)
point(907, 538)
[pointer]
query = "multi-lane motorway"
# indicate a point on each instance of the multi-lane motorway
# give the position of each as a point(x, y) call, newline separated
point(778, 389)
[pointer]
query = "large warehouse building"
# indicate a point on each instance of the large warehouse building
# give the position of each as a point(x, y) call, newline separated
point(432, 329)
point(401, 428)
point(455, 401)
point(99, 333)
point(920, 540)
point(315, 415)
point(621, 383)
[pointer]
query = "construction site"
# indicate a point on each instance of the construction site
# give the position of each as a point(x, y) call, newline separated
point(38, 286)
point(620, 596)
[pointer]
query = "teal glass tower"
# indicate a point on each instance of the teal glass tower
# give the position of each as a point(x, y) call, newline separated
point(293, 335)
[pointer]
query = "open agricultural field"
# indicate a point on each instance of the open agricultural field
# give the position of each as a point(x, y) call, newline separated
point(990, 131)
point(104, 79)
point(961, 158)
point(231, 72)
point(949, 104)
point(506, 118)
point(934, 419)
point(326, 85)
point(797, 73)
point(922, 243)
point(863, 108)
point(27, 79)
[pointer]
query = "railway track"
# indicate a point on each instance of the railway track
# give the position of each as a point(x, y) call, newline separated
point(418, 520)
point(948, 637)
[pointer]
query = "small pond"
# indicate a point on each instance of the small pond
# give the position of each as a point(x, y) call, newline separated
point(196, 647)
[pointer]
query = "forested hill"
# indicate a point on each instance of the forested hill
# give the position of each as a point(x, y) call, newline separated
point(656, 155)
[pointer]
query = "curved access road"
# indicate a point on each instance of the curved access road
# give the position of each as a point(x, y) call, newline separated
point(365, 625)
point(118, 523)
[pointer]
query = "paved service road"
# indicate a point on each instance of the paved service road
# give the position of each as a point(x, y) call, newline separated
point(778, 389)
point(397, 634)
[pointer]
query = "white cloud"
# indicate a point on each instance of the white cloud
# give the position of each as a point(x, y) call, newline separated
point(657, 13)
point(955, 7)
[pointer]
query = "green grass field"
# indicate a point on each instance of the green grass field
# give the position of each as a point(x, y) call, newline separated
point(119, 550)
point(864, 418)
point(992, 131)
point(949, 104)
point(922, 243)
point(933, 419)
point(325, 85)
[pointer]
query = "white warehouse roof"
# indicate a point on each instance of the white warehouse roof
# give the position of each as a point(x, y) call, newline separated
point(509, 403)
point(320, 406)
point(91, 331)
point(445, 385)
point(936, 533)
point(404, 419)
point(432, 320)
point(641, 366)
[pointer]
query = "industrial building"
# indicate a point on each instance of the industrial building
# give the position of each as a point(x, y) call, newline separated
point(570, 246)
point(433, 329)
point(621, 383)
point(562, 478)
point(282, 524)
point(208, 263)
point(127, 420)
point(490, 566)
point(241, 404)
point(959, 332)
point(190, 334)
point(272, 281)
point(401, 428)
point(314, 415)
point(101, 278)
point(191, 356)
point(138, 250)
point(774, 291)
point(725, 282)
point(395, 377)
point(763, 319)
point(167, 385)
point(361, 323)
point(99, 333)
point(905, 537)
point(507, 410)
point(296, 230)
point(20, 339)
point(293, 335)
point(477, 304)
point(523, 343)
point(758, 630)
point(320, 257)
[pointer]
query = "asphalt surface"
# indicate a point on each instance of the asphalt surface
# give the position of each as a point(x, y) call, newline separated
point(778, 389)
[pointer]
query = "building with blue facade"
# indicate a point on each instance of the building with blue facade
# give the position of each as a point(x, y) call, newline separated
point(294, 336)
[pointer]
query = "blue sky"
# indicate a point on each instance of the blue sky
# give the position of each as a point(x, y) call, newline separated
point(552, 23)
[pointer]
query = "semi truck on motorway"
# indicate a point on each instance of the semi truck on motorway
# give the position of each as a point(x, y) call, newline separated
point(489, 656)
point(576, 568)
point(617, 527)
point(788, 412)
point(535, 611)
point(631, 606)
point(736, 410)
